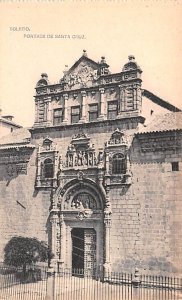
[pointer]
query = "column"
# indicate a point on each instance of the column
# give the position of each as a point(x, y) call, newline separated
point(84, 112)
point(54, 220)
point(56, 164)
point(66, 97)
point(107, 163)
point(39, 171)
point(102, 104)
point(62, 241)
point(107, 263)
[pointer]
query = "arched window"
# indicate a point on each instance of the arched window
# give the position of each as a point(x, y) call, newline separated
point(48, 168)
point(119, 164)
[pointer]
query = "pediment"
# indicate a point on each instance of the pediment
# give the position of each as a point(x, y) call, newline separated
point(82, 74)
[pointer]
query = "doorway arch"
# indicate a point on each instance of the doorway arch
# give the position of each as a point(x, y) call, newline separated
point(82, 227)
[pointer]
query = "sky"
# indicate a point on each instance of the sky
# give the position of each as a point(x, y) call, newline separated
point(149, 30)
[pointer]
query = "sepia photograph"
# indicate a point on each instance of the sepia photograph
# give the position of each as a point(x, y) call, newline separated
point(90, 150)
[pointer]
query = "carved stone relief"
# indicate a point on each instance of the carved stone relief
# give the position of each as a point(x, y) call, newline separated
point(80, 153)
point(83, 76)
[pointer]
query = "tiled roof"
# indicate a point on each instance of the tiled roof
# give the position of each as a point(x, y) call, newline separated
point(17, 138)
point(6, 121)
point(168, 122)
point(160, 101)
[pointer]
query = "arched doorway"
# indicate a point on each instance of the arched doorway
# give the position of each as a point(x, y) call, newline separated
point(82, 232)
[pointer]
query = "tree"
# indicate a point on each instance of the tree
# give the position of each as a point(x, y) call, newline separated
point(24, 251)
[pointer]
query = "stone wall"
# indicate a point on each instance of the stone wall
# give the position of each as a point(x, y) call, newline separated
point(146, 216)
point(23, 210)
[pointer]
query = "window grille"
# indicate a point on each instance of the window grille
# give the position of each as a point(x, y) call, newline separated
point(48, 169)
point(119, 164)
point(75, 114)
point(58, 116)
point(112, 109)
point(93, 112)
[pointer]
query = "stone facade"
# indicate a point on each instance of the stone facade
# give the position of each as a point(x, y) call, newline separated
point(91, 179)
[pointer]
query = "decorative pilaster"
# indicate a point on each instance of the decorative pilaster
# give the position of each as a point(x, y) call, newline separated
point(128, 175)
point(122, 98)
point(39, 169)
point(139, 98)
point(83, 115)
point(66, 97)
point(55, 236)
point(102, 104)
point(47, 111)
point(107, 163)
point(107, 224)
point(36, 112)
point(56, 166)
point(135, 97)
point(62, 240)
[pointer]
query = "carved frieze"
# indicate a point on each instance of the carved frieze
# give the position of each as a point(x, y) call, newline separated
point(80, 153)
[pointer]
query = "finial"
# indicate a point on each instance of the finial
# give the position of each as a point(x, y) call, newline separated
point(131, 57)
point(103, 59)
point(84, 53)
point(44, 75)
point(65, 70)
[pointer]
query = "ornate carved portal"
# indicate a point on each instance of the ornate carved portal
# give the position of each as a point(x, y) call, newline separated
point(80, 153)
point(84, 223)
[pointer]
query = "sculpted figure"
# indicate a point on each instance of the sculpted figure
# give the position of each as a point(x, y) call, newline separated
point(79, 158)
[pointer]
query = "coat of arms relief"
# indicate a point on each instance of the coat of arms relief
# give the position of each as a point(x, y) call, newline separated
point(82, 76)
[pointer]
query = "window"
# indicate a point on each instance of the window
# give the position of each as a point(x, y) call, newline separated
point(175, 166)
point(75, 114)
point(119, 164)
point(58, 116)
point(48, 170)
point(112, 109)
point(93, 112)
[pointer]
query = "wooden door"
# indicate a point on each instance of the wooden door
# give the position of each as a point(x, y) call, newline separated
point(89, 252)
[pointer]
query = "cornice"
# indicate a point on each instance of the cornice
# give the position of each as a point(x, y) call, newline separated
point(87, 89)
point(103, 123)
point(142, 135)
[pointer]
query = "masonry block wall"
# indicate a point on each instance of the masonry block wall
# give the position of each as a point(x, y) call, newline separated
point(146, 216)
point(23, 210)
point(147, 220)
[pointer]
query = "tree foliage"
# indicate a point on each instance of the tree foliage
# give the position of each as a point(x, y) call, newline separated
point(24, 251)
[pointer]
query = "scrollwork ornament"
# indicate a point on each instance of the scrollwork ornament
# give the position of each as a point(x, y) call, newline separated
point(80, 175)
